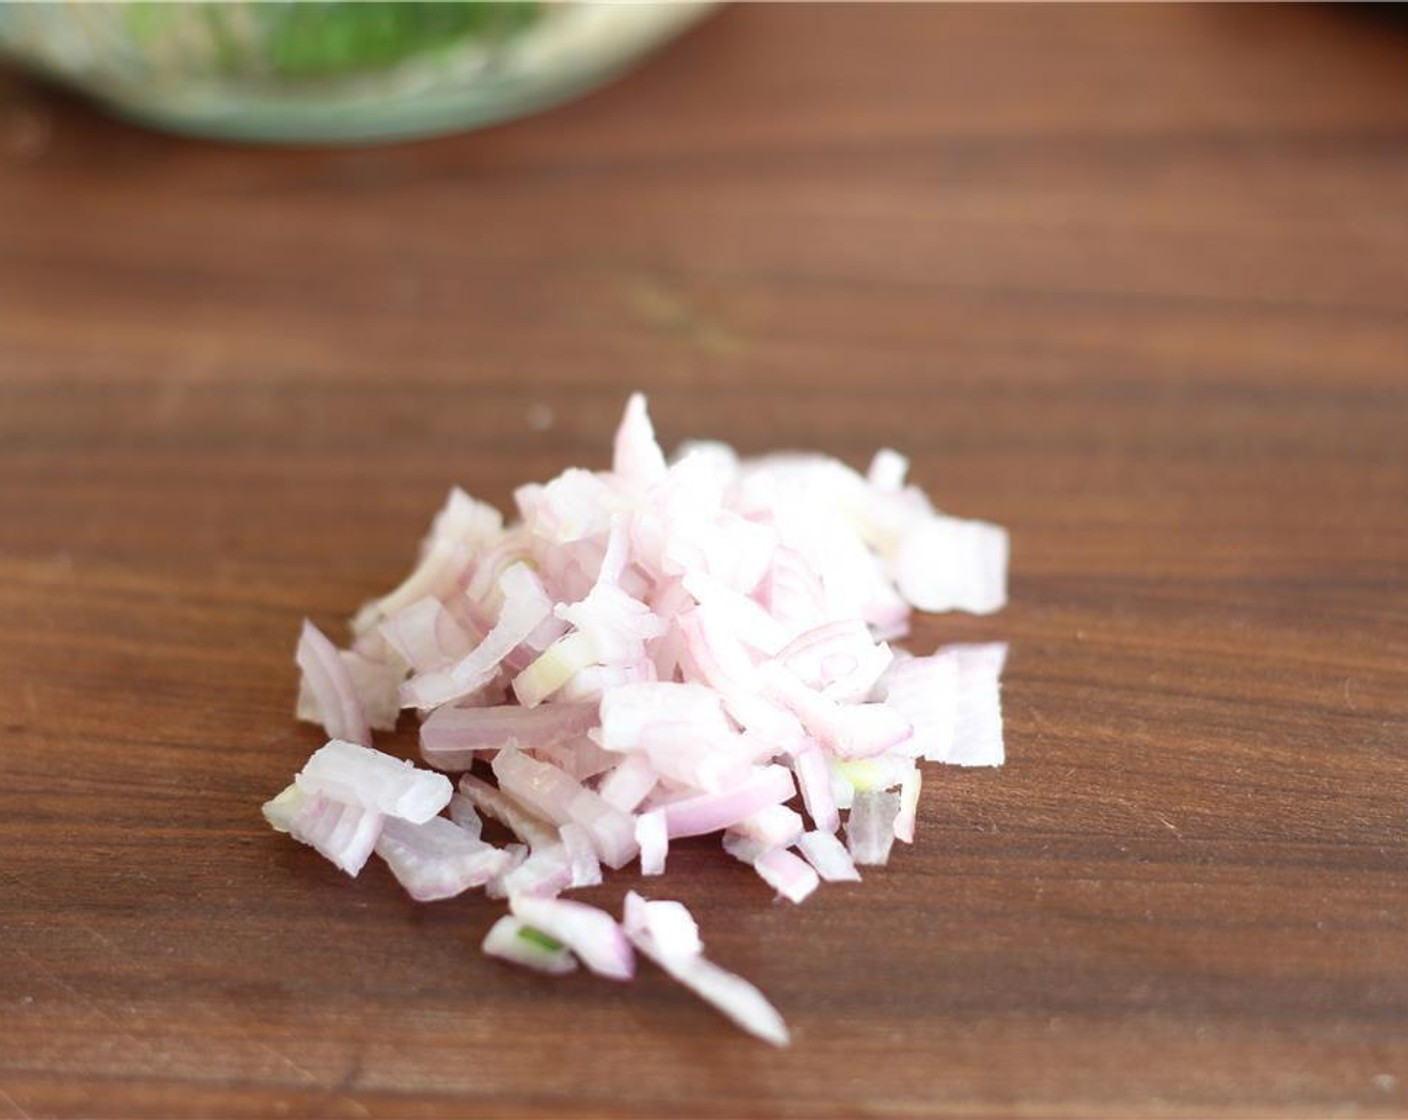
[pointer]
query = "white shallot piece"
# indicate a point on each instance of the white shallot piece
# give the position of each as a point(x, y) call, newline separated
point(667, 649)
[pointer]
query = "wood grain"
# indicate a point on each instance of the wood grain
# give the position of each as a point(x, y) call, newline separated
point(1130, 280)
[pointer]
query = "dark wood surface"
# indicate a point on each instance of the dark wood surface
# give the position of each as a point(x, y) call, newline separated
point(1131, 280)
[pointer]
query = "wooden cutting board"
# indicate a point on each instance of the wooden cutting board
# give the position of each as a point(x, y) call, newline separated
point(1131, 281)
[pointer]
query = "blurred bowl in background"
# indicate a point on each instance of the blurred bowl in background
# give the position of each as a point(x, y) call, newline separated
point(332, 71)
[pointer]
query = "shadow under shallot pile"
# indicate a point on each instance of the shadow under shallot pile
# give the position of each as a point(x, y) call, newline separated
point(665, 649)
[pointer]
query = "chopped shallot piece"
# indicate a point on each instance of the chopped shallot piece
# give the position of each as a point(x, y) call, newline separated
point(581, 855)
point(909, 806)
point(638, 461)
point(553, 669)
point(870, 829)
point(776, 826)
point(786, 873)
point(590, 933)
point(675, 947)
point(814, 780)
point(945, 564)
point(511, 940)
point(709, 812)
point(331, 687)
point(653, 837)
point(437, 859)
point(745, 849)
point(376, 781)
point(887, 470)
point(829, 856)
point(450, 736)
point(884, 772)
point(341, 832)
point(925, 691)
point(377, 681)
point(630, 712)
point(668, 925)
point(627, 785)
point(843, 790)
point(977, 734)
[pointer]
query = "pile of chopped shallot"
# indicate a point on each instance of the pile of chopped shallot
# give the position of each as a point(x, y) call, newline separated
point(670, 648)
